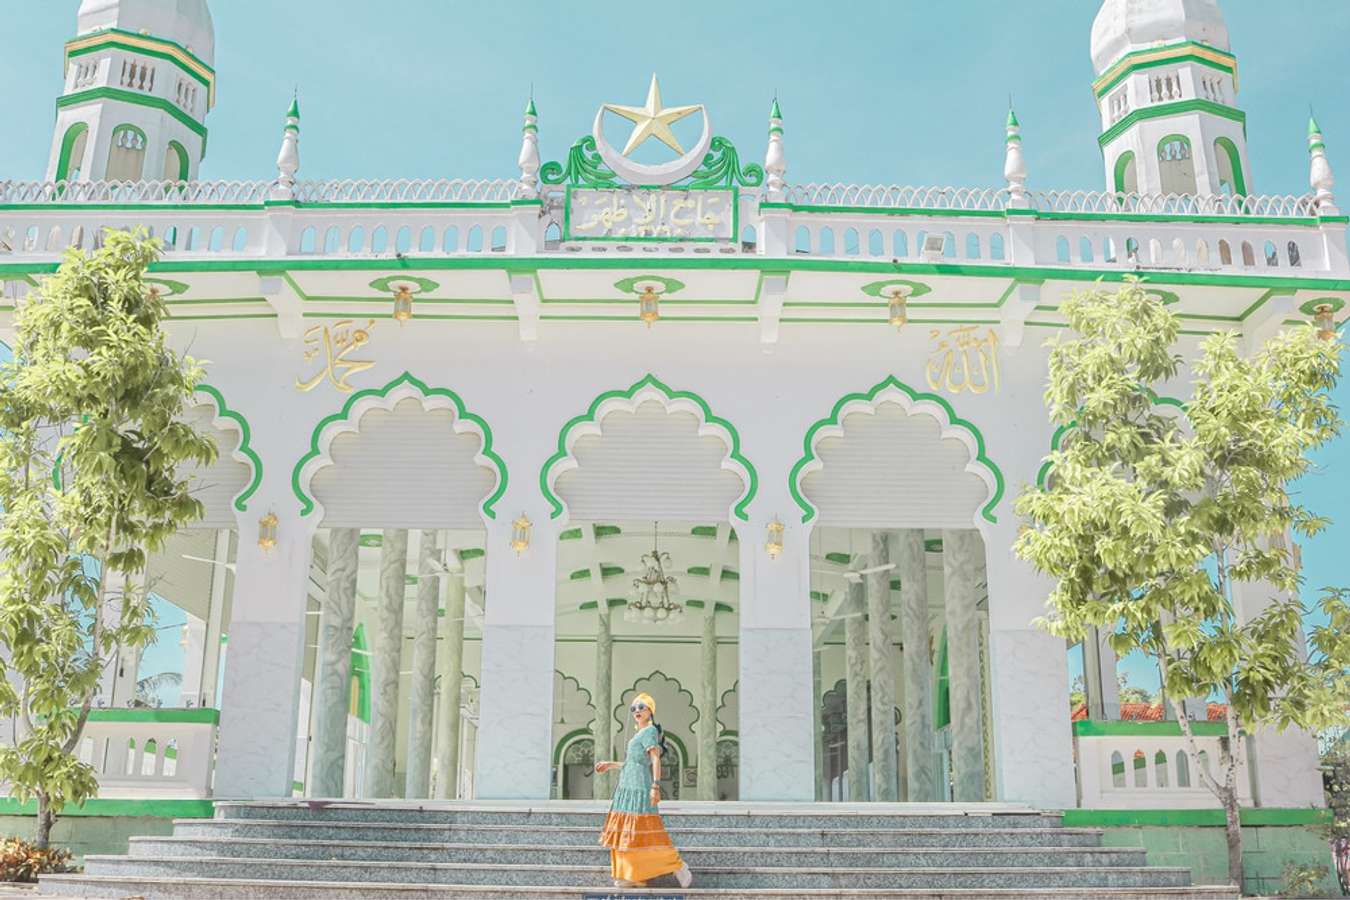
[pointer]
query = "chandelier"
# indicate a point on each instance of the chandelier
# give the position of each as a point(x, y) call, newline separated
point(651, 601)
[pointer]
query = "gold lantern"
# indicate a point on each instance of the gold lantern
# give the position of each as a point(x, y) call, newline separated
point(267, 532)
point(774, 544)
point(403, 303)
point(648, 305)
point(897, 310)
point(1324, 318)
point(520, 534)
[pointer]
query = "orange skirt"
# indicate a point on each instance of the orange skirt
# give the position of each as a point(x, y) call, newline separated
point(639, 847)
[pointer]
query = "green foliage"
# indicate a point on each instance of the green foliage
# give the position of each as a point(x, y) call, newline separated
point(92, 454)
point(24, 862)
point(1303, 881)
point(1151, 520)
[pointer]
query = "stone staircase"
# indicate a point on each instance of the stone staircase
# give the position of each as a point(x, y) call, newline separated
point(504, 851)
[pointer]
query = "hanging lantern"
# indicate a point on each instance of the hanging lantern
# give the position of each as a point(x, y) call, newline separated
point(267, 532)
point(648, 305)
point(1324, 318)
point(403, 303)
point(897, 310)
point(774, 545)
point(520, 534)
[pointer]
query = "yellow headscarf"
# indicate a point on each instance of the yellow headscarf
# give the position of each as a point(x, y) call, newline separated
point(647, 700)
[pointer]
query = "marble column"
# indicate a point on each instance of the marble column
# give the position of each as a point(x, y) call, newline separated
point(452, 684)
point(384, 665)
point(333, 666)
point(422, 684)
point(881, 646)
point(1099, 676)
point(855, 674)
point(260, 698)
point(707, 718)
point(961, 555)
point(920, 755)
point(822, 788)
point(602, 786)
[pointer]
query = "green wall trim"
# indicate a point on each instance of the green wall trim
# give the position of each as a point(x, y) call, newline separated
point(207, 79)
point(135, 99)
point(1172, 109)
point(1098, 728)
point(165, 42)
point(361, 672)
point(890, 381)
point(1270, 816)
point(245, 435)
point(199, 716)
point(159, 809)
point(67, 148)
point(649, 380)
point(462, 412)
point(567, 739)
point(1102, 87)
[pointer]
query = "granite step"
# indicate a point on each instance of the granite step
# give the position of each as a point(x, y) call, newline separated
point(585, 835)
point(151, 888)
point(582, 878)
point(698, 858)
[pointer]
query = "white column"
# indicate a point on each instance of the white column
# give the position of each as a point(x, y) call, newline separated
point(515, 728)
point(422, 685)
point(260, 698)
point(920, 753)
point(452, 683)
point(333, 666)
point(381, 781)
point(707, 718)
point(602, 786)
point(855, 700)
point(961, 552)
point(777, 746)
point(1099, 675)
point(881, 647)
point(1029, 677)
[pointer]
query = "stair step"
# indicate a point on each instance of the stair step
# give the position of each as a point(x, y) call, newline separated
point(578, 876)
point(683, 836)
point(697, 857)
point(152, 888)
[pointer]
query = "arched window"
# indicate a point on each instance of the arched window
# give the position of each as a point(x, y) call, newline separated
point(1140, 769)
point(552, 235)
point(474, 241)
point(1176, 167)
point(450, 242)
point(1062, 254)
point(1109, 250)
point(827, 241)
point(1202, 253)
point(1178, 252)
point(1131, 250)
point(332, 240)
point(1117, 769)
point(899, 244)
point(379, 240)
point(403, 240)
point(1085, 250)
point(1225, 254)
point(851, 246)
point(427, 242)
point(801, 241)
point(949, 245)
point(1295, 258)
point(356, 240)
point(308, 237)
point(176, 164)
point(499, 239)
point(1183, 770)
point(70, 164)
point(1248, 254)
point(216, 242)
point(1126, 174)
point(126, 157)
point(996, 246)
point(972, 246)
point(876, 244)
point(1272, 255)
point(1229, 160)
point(749, 238)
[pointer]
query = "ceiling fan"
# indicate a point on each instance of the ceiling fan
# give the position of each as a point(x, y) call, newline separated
point(211, 562)
point(851, 575)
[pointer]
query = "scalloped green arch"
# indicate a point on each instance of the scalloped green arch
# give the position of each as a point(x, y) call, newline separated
point(1058, 437)
point(890, 381)
point(245, 434)
point(648, 381)
point(307, 502)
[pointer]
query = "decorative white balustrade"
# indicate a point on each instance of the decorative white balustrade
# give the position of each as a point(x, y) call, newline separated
point(1051, 229)
point(1148, 765)
point(151, 753)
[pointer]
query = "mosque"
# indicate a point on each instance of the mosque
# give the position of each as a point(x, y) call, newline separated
point(499, 454)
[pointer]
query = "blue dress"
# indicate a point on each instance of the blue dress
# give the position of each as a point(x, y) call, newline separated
point(640, 848)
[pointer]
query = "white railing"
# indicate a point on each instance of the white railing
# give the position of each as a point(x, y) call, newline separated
point(151, 753)
point(1147, 765)
point(167, 192)
point(457, 190)
point(883, 196)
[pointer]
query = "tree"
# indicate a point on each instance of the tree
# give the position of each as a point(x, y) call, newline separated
point(1148, 522)
point(92, 454)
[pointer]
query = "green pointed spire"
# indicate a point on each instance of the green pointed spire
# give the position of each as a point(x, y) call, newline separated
point(529, 108)
point(775, 113)
point(294, 111)
point(1313, 127)
point(1012, 119)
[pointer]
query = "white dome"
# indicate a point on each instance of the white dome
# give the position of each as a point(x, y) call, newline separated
point(186, 22)
point(1125, 25)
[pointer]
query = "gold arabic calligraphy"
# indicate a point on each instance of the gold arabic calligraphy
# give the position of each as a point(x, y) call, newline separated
point(650, 213)
point(963, 361)
point(335, 343)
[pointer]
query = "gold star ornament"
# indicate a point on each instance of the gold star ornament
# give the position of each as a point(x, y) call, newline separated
point(652, 120)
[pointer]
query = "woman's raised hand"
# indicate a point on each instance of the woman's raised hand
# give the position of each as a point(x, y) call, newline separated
point(605, 766)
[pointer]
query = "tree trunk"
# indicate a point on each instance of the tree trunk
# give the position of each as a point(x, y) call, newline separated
point(45, 820)
point(1233, 829)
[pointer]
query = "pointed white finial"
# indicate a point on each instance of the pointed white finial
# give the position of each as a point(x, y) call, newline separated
point(529, 154)
point(288, 160)
point(1320, 176)
point(775, 163)
point(1014, 166)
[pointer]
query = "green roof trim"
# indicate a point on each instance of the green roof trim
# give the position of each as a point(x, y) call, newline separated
point(108, 808)
point(571, 534)
point(1263, 816)
point(469, 553)
point(840, 559)
point(198, 716)
point(1097, 728)
point(1172, 109)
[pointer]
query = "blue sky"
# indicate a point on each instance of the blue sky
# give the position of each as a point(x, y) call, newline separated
point(896, 91)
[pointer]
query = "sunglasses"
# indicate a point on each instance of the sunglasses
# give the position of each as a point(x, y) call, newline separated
point(637, 706)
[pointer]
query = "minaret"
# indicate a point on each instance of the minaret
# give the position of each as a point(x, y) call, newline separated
point(529, 154)
point(138, 85)
point(1014, 166)
point(775, 163)
point(288, 160)
point(1320, 177)
point(1166, 86)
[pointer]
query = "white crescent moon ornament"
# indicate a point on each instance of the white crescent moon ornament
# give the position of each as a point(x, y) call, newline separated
point(663, 174)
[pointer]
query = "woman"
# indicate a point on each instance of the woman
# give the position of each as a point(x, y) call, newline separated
point(639, 848)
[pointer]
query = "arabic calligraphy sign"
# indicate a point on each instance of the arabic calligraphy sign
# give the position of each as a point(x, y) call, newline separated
point(963, 360)
point(650, 214)
point(334, 344)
